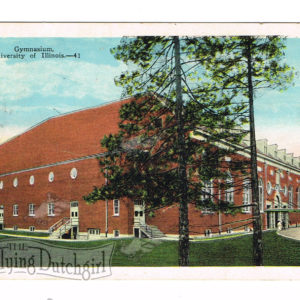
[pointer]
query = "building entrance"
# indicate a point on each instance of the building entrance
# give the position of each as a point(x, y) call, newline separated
point(1, 217)
point(139, 217)
point(74, 218)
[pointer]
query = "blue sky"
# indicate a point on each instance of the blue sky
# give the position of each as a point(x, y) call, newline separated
point(32, 90)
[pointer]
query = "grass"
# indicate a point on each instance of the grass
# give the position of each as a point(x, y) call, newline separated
point(235, 251)
point(26, 233)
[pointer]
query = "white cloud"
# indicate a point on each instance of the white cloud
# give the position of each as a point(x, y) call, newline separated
point(7, 132)
point(61, 108)
point(62, 78)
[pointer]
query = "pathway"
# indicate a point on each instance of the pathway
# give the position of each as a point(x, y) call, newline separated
point(293, 233)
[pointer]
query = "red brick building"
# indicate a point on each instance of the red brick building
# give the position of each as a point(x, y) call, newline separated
point(45, 171)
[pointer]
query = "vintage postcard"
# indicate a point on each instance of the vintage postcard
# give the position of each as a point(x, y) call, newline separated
point(149, 151)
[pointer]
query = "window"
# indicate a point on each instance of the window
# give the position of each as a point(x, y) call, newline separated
point(32, 228)
point(73, 173)
point(15, 227)
point(94, 231)
point(207, 232)
point(229, 191)
point(290, 197)
point(277, 203)
point(229, 230)
point(298, 196)
point(261, 194)
point(74, 214)
point(285, 190)
point(277, 176)
point(50, 209)
point(51, 177)
point(31, 209)
point(246, 196)
point(15, 182)
point(31, 180)
point(116, 233)
point(269, 187)
point(74, 204)
point(1, 185)
point(116, 207)
point(207, 196)
point(15, 210)
point(138, 202)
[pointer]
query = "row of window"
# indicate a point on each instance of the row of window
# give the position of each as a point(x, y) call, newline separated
point(91, 231)
point(207, 194)
point(73, 175)
point(281, 173)
point(96, 231)
point(208, 232)
point(31, 228)
point(229, 194)
point(31, 209)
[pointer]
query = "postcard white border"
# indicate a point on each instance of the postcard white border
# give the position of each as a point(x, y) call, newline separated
point(78, 30)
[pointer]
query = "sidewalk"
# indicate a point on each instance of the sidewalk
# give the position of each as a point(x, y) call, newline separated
point(293, 233)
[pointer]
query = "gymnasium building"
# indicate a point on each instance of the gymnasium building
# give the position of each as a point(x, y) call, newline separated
point(45, 171)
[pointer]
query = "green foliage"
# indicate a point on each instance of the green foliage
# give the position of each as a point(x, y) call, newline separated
point(142, 158)
point(229, 65)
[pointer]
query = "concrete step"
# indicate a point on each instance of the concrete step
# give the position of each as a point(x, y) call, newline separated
point(156, 233)
point(58, 233)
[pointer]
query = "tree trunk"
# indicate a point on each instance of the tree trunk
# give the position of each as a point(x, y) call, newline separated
point(182, 173)
point(257, 224)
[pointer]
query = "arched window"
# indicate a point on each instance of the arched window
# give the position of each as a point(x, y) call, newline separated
point(290, 196)
point(261, 195)
point(246, 196)
point(229, 193)
point(277, 203)
point(298, 196)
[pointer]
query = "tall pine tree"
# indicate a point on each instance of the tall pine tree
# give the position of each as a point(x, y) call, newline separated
point(172, 132)
point(246, 65)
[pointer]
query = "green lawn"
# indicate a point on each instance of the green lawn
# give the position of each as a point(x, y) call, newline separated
point(236, 251)
point(27, 233)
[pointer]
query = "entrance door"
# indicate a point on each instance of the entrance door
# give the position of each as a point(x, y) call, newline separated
point(1, 217)
point(74, 214)
point(136, 232)
point(139, 213)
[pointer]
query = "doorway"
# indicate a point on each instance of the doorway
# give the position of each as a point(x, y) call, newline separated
point(1, 217)
point(136, 232)
point(74, 213)
point(139, 213)
point(74, 218)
